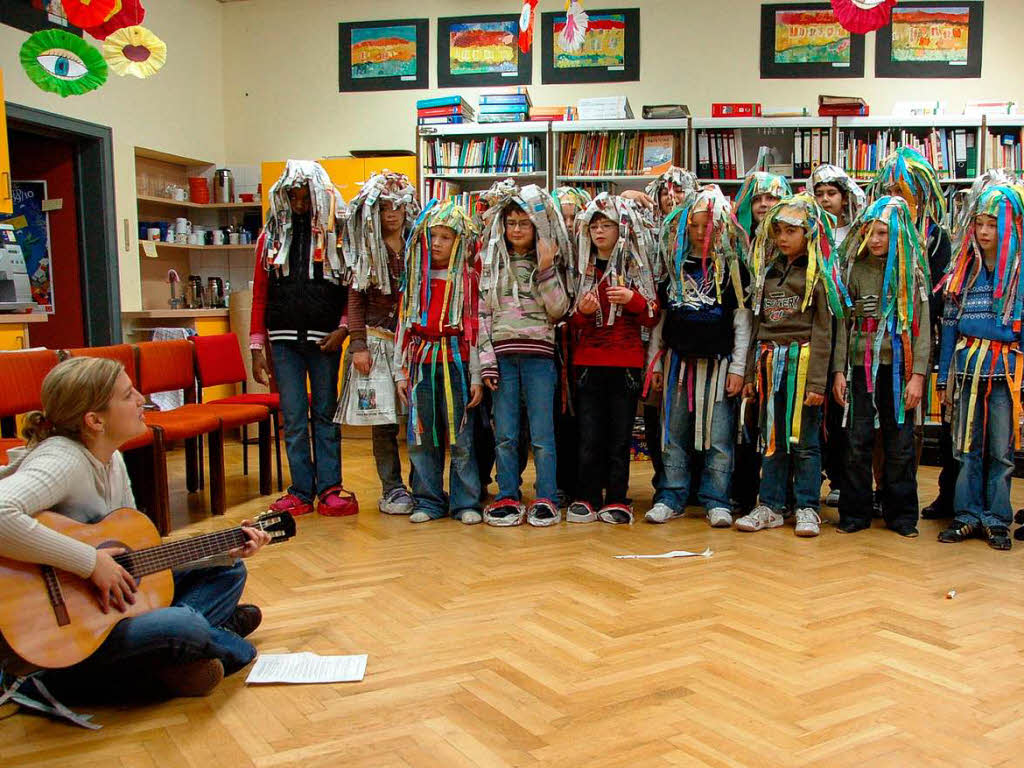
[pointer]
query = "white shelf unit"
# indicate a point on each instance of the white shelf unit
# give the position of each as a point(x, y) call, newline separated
point(473, 181)
point(726, 148)
point(597, 179)
point(1002, 141)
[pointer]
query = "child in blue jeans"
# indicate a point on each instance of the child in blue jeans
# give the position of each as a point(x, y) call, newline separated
point(437, 370)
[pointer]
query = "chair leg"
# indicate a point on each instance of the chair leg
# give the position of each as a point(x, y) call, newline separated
point(202, 469)
point(245, 449)
point(161, 494)
point(277, 449)
point(192, 481)
point(218, 491)
point(266, 475)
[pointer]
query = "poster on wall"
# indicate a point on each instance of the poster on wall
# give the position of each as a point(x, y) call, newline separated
point(383, 55)
point(481, 51)
point(32, 228)
point(610, 52)
point(800, 40)
point(931, 40)
point(35, 15)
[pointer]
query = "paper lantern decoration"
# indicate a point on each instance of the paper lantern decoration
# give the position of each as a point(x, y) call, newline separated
point(575, 30)
point(862, 16)
point(131, 14)
point(134, 51)
point(90, 13)
point(62, 63)
point(526, 19)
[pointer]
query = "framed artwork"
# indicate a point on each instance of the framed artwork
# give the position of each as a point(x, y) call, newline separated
point(931, 40)
point(35, 15)
point(610, 52)
point(807, 40)
point(383, 55)
point(481, 51)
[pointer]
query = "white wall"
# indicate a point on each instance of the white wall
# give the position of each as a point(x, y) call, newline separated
point(180, 110)
point(281, 70)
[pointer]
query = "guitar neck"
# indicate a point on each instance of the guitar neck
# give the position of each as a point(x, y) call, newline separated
point(175, 554)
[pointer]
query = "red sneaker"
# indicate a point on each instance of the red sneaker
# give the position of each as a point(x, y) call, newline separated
point(291, 504)
point(337, 502)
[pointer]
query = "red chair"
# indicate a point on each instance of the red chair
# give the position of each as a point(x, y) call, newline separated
point(6, 444)
point(219, 361)
point(146, 455)
point(22, 374)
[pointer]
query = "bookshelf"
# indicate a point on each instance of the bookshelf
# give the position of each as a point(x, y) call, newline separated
point(1002, 138)
point(608, 155)
point(463, 160)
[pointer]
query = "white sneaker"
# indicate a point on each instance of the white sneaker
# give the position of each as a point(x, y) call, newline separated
point(470, 517)
point(719, 517)
point(808, 523)
point(661, 513)
point(419, 517)
point(397, 502)
point(758, 518)
point(832, 500)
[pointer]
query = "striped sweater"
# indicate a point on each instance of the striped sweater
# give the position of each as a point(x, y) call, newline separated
point(526, 327)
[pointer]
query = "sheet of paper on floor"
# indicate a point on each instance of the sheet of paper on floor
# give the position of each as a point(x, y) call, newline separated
point(674, 553)
point(307, 667)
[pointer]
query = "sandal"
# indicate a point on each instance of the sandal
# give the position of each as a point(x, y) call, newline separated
point(616, 514)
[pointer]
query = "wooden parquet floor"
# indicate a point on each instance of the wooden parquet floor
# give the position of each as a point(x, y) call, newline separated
point(528, 647)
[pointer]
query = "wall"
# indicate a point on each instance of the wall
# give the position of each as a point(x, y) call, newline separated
point(281, 70)
point(180, 110)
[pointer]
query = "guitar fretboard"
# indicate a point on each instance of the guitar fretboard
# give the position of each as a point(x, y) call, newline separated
point(143, 562)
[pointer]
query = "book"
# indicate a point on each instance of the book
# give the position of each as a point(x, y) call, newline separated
point(604, 108)
point(492, 109)
point(442, 112)
point(733, 109)
point(658, 152)
point(504, 98)
point(665, 111)
point(441, 101)
point(842, 106)
point(502, 117)
point(444, 120)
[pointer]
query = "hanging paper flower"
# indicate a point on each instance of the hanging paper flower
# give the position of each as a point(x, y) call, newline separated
point(134, 51)
point(90, 13)
point(62, 63)
point(575, 29)
point(526, 18)
point(131, 14)
point(862, 16)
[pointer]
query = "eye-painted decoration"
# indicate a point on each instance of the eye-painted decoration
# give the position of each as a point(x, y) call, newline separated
point(134, 51)
point(62, 63)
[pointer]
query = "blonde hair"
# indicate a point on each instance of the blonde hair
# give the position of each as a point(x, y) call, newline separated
point(72, 389)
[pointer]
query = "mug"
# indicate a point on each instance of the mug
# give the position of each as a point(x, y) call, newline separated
point(218, 237)
point(175, 192)
point(233, 238)
point(181, 238)
point(153, 233)
point(196, 238)
point(182, 226)
point(169, 237)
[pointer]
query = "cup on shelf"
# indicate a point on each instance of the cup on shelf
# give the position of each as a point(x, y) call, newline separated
point(153, 233)
point(196, 238)
point(247, 197)
point(169, 236)
point(182, 226)
point(199, 189)
point(218, 237)
point(233, 238)
point(181, 238)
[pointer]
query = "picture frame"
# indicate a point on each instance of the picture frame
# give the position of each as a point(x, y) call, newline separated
point(931, 58)
point(481, 51)
point(385, 55)
point(806, 40)
point(611, 52)
point(35, 15)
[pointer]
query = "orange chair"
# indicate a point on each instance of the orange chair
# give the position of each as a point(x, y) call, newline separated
point(219, 361)
point(6, 444)
point(22, 374)
point(145, 455)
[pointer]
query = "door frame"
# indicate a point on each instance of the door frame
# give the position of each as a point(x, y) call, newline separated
point(97, 223)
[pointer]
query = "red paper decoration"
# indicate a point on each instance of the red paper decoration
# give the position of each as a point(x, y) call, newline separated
point(862, 16)
point(526, 19)
point(90, 13)
point(131, 15)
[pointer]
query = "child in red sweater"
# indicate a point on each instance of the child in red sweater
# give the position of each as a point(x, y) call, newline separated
point(615, 299)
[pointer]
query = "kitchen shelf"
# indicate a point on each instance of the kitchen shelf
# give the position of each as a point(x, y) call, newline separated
point(197, 206)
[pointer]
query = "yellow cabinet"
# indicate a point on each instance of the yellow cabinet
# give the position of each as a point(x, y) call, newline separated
point(6, 199)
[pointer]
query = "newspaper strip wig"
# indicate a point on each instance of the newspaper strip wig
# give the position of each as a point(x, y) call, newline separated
point(366, 256)
point(909, 175)
point(827, 173)
point(755, 184)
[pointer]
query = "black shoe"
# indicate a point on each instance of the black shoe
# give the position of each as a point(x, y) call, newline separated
point(937, 510)
point(1018, 518)
point(999, 537)
point(959, 531)
point(1019, 534)
point(907, 530)
point(245, 619)
point(852, 526)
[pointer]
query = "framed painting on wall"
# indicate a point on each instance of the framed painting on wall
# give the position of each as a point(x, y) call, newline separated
point(481, 51)
point(35, 15)
point(383, 55)
point(800, 40)
point(931, 40)
point(610, 51)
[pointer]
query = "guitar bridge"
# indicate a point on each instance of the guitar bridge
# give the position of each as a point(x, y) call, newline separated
point(56, 595)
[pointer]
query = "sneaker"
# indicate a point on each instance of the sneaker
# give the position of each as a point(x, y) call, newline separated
point(580, 512)
point(616, 514)
point(470, 517)
point(959, 531)
point(852, 525)
point(397, 501)
point(244, 620)
point(661, 513)
point(420, 517)
point(999, 537)
point(337, 502)
point(832, 500)
point(505, 513)
point(760, 517)
point(195, 678)
point(808, 523)
point(719, 517)
point(291, 504)
point(543, 513)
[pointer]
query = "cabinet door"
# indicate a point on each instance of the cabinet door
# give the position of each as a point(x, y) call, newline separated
point(6, 201)
point(397, 163)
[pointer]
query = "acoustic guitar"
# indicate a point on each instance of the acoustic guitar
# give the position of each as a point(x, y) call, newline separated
point(51, 618)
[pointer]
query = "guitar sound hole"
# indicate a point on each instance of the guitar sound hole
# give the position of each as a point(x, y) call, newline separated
point(126, 559)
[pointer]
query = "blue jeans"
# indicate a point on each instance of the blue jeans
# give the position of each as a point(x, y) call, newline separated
point(293, 362)
point(673, 486)
point(802, 460)
point(533, 379)
point(189, 630)
point(427, 458)
point(983, 485)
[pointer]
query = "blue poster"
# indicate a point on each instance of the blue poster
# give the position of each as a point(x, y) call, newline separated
point(32, 228)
